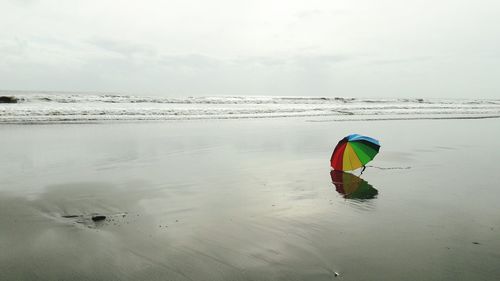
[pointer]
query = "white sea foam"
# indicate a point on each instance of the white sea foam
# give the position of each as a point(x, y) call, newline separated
point(47, 107)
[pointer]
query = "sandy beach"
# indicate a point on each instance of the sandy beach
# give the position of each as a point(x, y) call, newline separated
point(247, 200)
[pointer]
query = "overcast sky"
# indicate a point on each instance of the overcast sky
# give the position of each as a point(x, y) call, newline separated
point(358, 48)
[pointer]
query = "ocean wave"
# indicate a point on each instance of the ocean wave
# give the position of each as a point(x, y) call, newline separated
point(47, 107)
point(64, 97)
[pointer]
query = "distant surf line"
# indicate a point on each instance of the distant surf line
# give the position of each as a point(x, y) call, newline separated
point(410, 118)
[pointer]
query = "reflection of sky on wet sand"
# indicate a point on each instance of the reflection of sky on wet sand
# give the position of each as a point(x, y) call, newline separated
point(244, 200)
point(153, 238)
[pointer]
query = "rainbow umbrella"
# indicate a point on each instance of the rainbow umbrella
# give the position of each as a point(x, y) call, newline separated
point(353, 152)
point(352, 186)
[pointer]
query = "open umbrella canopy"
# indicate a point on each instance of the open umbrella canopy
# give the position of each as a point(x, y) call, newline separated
point(352, 186)
point(353, 152)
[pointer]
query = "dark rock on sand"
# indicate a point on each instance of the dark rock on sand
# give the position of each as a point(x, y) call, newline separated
point(7, 99)
point(98, 218)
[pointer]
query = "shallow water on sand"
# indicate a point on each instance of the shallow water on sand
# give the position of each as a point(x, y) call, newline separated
point(248, 200)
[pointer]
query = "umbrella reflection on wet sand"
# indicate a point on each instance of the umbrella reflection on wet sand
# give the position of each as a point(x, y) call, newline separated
point(352, 186)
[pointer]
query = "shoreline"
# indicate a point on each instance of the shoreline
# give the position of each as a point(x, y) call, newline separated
point(299, 117)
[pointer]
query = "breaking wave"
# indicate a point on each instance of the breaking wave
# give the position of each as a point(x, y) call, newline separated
point(48, 107)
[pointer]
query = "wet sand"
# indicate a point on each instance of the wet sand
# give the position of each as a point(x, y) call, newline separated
point(248, 200)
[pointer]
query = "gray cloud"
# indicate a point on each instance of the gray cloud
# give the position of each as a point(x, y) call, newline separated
point(402, 60)
point(12, 47)
point(190, 61)
point(123, 47)
point(314, 13)
point(318, 60)
point(23, 2)
point(309, 13)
